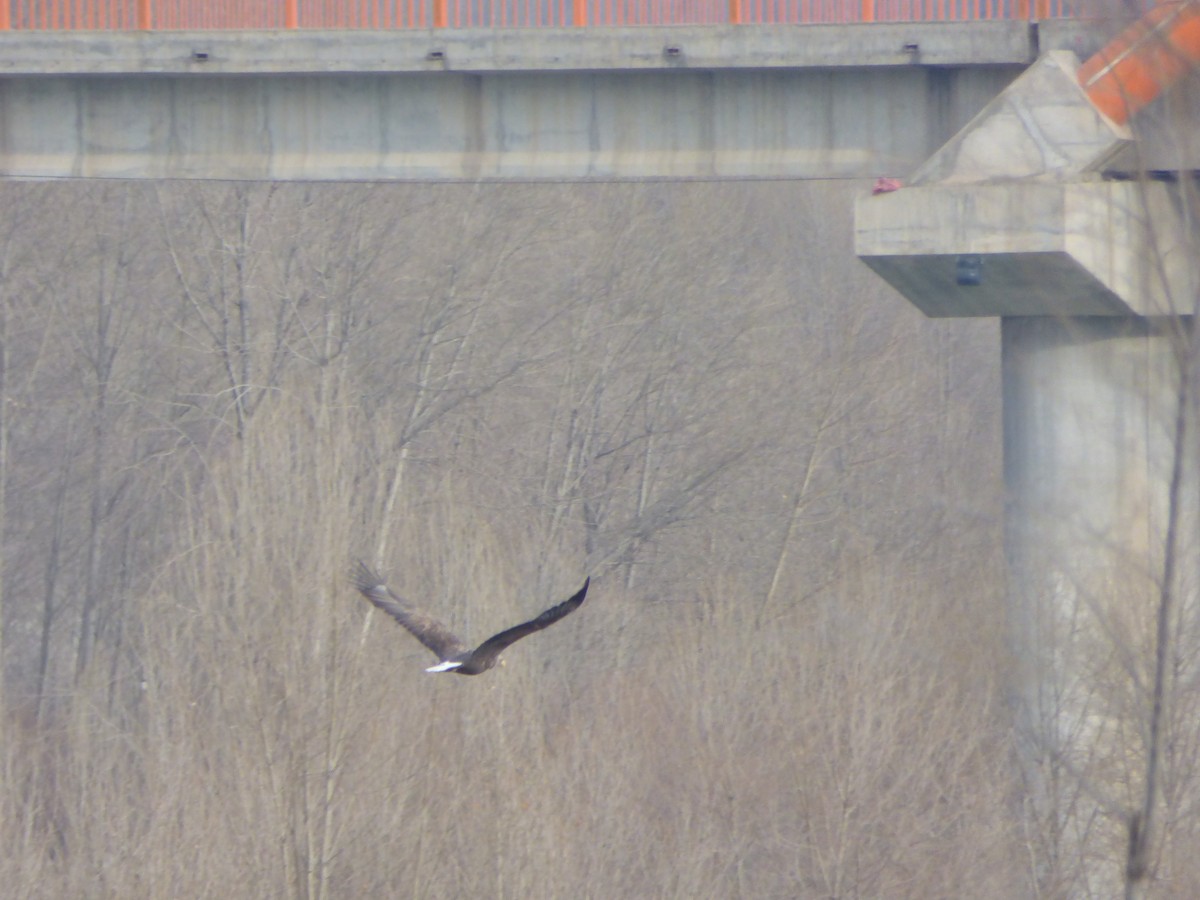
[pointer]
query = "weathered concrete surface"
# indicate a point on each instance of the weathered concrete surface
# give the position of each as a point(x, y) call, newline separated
point(517, 50)
point(1041, 126)
point(1167, 133)
point(653, 124)
point(1020, 187)
point(789, 102)
point(1083, 248)
point(1090, 409)
point(1088, 484)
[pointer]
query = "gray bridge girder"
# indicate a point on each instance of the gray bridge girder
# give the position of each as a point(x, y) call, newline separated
point(620, 103)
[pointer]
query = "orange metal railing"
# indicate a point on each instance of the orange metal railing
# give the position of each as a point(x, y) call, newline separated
point(1143, 61)
point(145, 15)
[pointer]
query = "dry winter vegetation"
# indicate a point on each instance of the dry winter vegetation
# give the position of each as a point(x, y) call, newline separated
point(789, 680)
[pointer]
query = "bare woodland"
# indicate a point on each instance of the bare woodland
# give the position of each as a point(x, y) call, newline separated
point(792, 677)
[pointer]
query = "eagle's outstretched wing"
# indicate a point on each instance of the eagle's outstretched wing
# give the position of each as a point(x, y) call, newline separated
point(487, 652)
point(426, 629)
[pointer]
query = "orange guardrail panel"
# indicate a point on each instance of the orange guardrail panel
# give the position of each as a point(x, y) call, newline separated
point(1144, 60)
point(389, 14)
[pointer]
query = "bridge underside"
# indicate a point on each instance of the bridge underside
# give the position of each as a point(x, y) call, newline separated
point(790, 102)
point(494, 126)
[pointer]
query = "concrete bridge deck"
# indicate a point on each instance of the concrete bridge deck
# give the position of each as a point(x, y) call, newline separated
point(555, 103)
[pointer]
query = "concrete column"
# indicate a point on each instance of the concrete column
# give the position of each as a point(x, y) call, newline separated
point(1089, 415)
point(1090, 412)
point(1095, 281)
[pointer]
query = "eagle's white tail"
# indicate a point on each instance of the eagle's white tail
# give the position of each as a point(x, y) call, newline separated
point(444, 666)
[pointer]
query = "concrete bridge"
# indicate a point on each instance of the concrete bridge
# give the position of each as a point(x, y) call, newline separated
point(1016, 205)
point(680, 100)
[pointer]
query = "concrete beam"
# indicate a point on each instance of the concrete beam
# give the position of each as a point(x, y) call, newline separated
point(837, 101)
point(1091, 248)
point(554, 105)
point(1090, 407)
point(664, 48)
point(1041, 126)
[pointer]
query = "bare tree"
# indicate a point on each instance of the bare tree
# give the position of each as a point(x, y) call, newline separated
point(491, 390)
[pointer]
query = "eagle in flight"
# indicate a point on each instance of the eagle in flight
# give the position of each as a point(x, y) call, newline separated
point(456, 656)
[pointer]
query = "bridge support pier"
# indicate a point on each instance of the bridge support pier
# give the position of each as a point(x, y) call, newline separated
point(1095, 282)
point(1091, 407)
